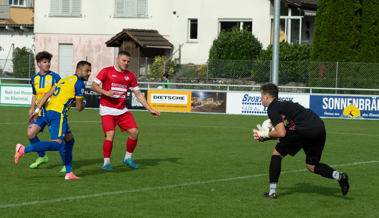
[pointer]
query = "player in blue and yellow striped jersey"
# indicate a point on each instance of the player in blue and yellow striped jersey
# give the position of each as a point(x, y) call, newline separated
point(41, 83)
point(62, 96)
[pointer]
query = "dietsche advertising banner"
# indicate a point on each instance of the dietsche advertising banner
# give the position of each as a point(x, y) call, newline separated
point(166, 100)
point(16, 95)
point(339, 106)
point(250, 102)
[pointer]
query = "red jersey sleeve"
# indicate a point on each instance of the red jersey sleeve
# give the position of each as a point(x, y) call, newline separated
point(101, 77)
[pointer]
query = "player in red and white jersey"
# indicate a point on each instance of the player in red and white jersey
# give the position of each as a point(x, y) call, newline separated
point(113, 84)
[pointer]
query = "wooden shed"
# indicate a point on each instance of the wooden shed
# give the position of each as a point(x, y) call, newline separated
point(143, 45)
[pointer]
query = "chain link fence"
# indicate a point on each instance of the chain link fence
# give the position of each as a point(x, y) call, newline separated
point(339, 77)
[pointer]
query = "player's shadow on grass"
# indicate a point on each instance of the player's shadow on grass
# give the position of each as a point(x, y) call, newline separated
point(79, 163)
point(118, 167)
point(334, 191)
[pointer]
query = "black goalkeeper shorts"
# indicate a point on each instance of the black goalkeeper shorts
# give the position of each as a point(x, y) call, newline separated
point(311, 142)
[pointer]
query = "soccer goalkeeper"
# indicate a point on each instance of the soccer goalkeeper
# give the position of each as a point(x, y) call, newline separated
point(296, 128)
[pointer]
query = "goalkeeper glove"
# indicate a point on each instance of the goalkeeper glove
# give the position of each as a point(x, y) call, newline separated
point(261, 134)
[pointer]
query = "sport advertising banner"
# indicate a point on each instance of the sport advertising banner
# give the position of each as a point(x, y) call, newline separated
point(92, 98)
point(250, 102)
point(211, 102)
point(16, 95)
point(340, 106)
point(132, 101)
point(167, 100)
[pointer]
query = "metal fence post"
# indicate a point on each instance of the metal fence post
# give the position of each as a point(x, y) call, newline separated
point(29, 65)
point(207, 73)
point(336, 76)
point(146, 67)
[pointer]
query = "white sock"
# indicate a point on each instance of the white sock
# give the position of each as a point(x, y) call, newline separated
point(336, 175)
point(272, 188)
point(128, 155)
point(107, 161)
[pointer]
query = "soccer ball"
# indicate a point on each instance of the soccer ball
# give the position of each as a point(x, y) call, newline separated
point(267, 124)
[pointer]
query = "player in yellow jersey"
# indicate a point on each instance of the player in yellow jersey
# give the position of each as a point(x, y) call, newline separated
point(41, 83)
point(62, 96)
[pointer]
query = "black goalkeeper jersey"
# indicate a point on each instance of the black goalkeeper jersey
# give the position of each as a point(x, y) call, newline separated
point(294, 116)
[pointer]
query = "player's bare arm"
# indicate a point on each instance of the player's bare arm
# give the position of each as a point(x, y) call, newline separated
point(96, 88)
point(44, 99)
point(80, 104)
point(279, 131)
point(143, 101)
point(32, 106)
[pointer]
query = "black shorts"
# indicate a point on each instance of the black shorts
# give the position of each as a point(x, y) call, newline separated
point(312, 143)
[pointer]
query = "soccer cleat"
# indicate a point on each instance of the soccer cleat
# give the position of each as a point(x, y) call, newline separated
point(344, 183)
point(107, 167)
point(20, 150)
point(130, 162)
point(63, 170)
point(70, 176)
point(267, 195)
point(39, 161)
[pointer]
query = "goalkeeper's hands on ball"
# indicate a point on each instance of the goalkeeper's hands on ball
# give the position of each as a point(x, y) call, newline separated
point(262, 133)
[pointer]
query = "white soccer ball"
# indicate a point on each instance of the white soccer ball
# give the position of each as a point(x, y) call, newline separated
point(267, 124)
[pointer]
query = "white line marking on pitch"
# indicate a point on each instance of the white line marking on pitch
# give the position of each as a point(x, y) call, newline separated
point(166, 186)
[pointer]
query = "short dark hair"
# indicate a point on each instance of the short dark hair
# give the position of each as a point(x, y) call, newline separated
point(43, 55)
point(123, 52)
point(271, 89)
point(165, 75)
point(82, 63)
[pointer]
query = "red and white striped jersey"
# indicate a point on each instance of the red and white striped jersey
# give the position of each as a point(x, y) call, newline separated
point(119, 82)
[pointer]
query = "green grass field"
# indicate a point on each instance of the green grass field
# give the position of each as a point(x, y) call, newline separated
point(191, 165)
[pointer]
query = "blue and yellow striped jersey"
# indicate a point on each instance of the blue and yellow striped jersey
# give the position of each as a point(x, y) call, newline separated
point(42, 84)
point(65, 93)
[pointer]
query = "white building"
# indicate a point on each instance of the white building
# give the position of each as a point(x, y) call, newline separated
point(74, 30)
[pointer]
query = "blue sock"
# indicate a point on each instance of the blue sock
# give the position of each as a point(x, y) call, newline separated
point(68, 155)
point(62, 151)
point(36, 140)
point(43, 146)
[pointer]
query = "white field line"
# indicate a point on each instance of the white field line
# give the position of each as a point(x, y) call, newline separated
point(28, 203)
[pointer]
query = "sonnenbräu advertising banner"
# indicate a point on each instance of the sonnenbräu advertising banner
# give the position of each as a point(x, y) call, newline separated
point(339, 106)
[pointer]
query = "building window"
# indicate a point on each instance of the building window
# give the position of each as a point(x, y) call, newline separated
point(65, 60)
point(130, 8)
point(70, 8)
point(290, 29)
point(17, 3)
point(241, 24)
point(192, 30)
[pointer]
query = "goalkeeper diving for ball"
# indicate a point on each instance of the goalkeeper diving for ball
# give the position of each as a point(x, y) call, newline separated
point(296, 128)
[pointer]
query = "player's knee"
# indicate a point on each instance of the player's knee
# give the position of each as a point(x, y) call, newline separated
point(133, 133)
point(276, 153)
point(109, 135)
point(31, 133)
point(68, 137)
point(310, 167)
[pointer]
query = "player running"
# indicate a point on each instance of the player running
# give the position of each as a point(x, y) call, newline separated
point(41, 83)
point(63, 95)
point(113, 84)
point(296, 128)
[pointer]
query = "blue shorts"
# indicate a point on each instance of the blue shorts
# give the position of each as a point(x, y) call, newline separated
point(58, 126)
point(41, 122)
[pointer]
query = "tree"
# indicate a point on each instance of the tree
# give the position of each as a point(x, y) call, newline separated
point(23, 62)
point(337, 31)
point(369, 34)
point(232, 53)
point(294, 62)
